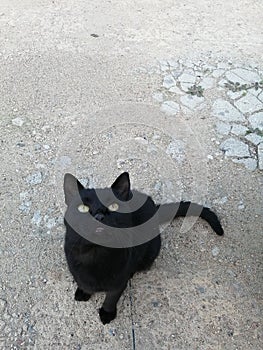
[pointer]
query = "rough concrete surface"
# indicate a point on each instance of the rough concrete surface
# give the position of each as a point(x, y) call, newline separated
point(170, 91)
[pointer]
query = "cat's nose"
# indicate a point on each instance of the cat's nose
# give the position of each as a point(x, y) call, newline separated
point(99, 216)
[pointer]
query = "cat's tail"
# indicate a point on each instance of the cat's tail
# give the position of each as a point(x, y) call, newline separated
point(170, 211)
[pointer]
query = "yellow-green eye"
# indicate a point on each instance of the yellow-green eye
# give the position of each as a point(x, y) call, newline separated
point(82, 208)
point(113, 207)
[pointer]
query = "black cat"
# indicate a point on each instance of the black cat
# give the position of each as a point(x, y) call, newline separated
point(107, 267)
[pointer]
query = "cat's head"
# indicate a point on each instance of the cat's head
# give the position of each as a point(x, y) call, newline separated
point(109, 216)
point(105, 205)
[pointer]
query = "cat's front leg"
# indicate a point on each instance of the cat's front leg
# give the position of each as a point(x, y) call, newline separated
point(80, 295)
point(108, 311)
point(107, 316)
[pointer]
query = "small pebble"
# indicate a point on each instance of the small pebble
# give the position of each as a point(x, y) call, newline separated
point(37, 147)
point(51, 223)
point(36, 218)
point(18, 121)
point(230, 333)
point(141, 140)
point(25, 206)
point(231, 273)
point(23, 195)
point(215, 251)
point(241, 206)
point(34, 179)
point(155, 303)
point(112, 332)
point(201, 289)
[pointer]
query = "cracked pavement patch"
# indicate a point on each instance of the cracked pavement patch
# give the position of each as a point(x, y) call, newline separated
point(240, 114)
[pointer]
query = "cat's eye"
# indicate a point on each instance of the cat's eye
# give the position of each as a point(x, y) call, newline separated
point(82, 208)
point(113, 207)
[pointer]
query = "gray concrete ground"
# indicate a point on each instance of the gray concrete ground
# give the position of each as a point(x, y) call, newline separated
point(170, 91)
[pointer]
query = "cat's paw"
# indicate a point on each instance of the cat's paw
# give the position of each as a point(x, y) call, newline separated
point(107, 317)
point(81, 296)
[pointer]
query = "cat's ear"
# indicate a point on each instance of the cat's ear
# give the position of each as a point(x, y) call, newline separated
point(71, 187)
point(122, 187)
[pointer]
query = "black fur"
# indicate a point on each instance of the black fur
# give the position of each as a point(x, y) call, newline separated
point(96, 268)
